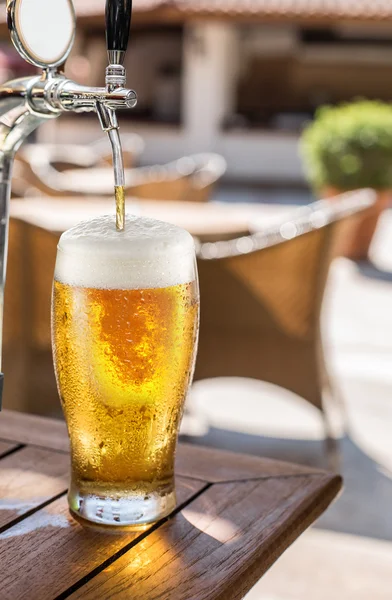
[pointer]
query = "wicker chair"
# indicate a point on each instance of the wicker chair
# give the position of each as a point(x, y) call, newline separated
point(261, 298)
point(29, 383)
point(16, 315)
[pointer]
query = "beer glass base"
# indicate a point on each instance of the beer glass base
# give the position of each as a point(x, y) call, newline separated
point(130, 511)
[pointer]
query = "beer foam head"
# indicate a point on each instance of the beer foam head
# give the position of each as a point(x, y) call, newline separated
point(147, 254)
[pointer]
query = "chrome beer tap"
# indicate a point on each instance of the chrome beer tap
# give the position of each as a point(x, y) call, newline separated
point(43, 33)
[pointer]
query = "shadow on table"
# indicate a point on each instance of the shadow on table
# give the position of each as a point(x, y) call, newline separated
point(364, 506)
point(263, 194)
point(369, 270)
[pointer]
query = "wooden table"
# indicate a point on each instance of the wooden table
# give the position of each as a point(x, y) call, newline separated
point(235, 516)
point(207, 221)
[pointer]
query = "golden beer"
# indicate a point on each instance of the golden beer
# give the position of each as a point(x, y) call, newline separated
point(124, 360)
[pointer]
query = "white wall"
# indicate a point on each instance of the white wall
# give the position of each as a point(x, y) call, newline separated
point(209, 79)
point(262, 156)
point(268, 40)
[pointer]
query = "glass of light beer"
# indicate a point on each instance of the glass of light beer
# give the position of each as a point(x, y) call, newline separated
point(125, 313)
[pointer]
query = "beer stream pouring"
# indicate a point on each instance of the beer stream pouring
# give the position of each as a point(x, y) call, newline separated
point(118, 22)
point(43, 33)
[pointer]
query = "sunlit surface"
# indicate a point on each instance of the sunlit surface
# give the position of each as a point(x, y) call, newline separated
point(18, 506)
point(140, 559)
point(255, 407)
point(137, 562)
point(222, 530)
point(35, 523)
point(11, 475)
point(323, 566)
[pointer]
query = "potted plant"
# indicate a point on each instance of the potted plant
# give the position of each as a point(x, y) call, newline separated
point(348, 147)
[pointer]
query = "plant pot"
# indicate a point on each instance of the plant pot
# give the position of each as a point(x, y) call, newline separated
point(358, 244)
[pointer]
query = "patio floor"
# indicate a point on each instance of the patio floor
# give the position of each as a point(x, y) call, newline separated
point(348, 554)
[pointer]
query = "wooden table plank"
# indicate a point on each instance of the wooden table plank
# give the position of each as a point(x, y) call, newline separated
point(28, 478)
point(30, 429)
point(5, 447)
point(219, 545)
point(192, 461)
point(221, 465)
point(48, 552)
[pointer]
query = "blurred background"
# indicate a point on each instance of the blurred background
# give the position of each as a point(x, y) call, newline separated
point(232, 138)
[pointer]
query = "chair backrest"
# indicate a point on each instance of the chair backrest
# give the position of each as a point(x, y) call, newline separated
point(262, 293)
point(210, 167)
point(188, 179)
point(22, 181)
point(158, 183)
point(132, 146)
point(46, 169)
point(44, 165)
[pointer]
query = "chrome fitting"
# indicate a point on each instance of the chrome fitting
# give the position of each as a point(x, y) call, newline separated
point(115, 77)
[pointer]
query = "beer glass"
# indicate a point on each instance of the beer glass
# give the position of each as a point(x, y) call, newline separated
point(125, 312)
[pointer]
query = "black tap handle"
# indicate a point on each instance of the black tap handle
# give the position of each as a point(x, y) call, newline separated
point(118, 22)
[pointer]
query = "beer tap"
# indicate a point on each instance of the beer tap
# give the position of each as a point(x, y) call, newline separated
point(43, 34)
point(118, 21)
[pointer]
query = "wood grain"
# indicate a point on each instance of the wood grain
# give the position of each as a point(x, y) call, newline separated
point(219, 545)
point(220, 465)
point(6, 447)
point(30, 429)
point(227, 535)
point(46, 553)
point(28, 478)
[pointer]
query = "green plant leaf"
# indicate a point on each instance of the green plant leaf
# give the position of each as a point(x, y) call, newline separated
point(349, 146)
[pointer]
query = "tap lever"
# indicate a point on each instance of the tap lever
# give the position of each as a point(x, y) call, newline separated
point(118, 23)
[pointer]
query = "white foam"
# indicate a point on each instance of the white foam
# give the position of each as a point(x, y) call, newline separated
point(147, 254)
